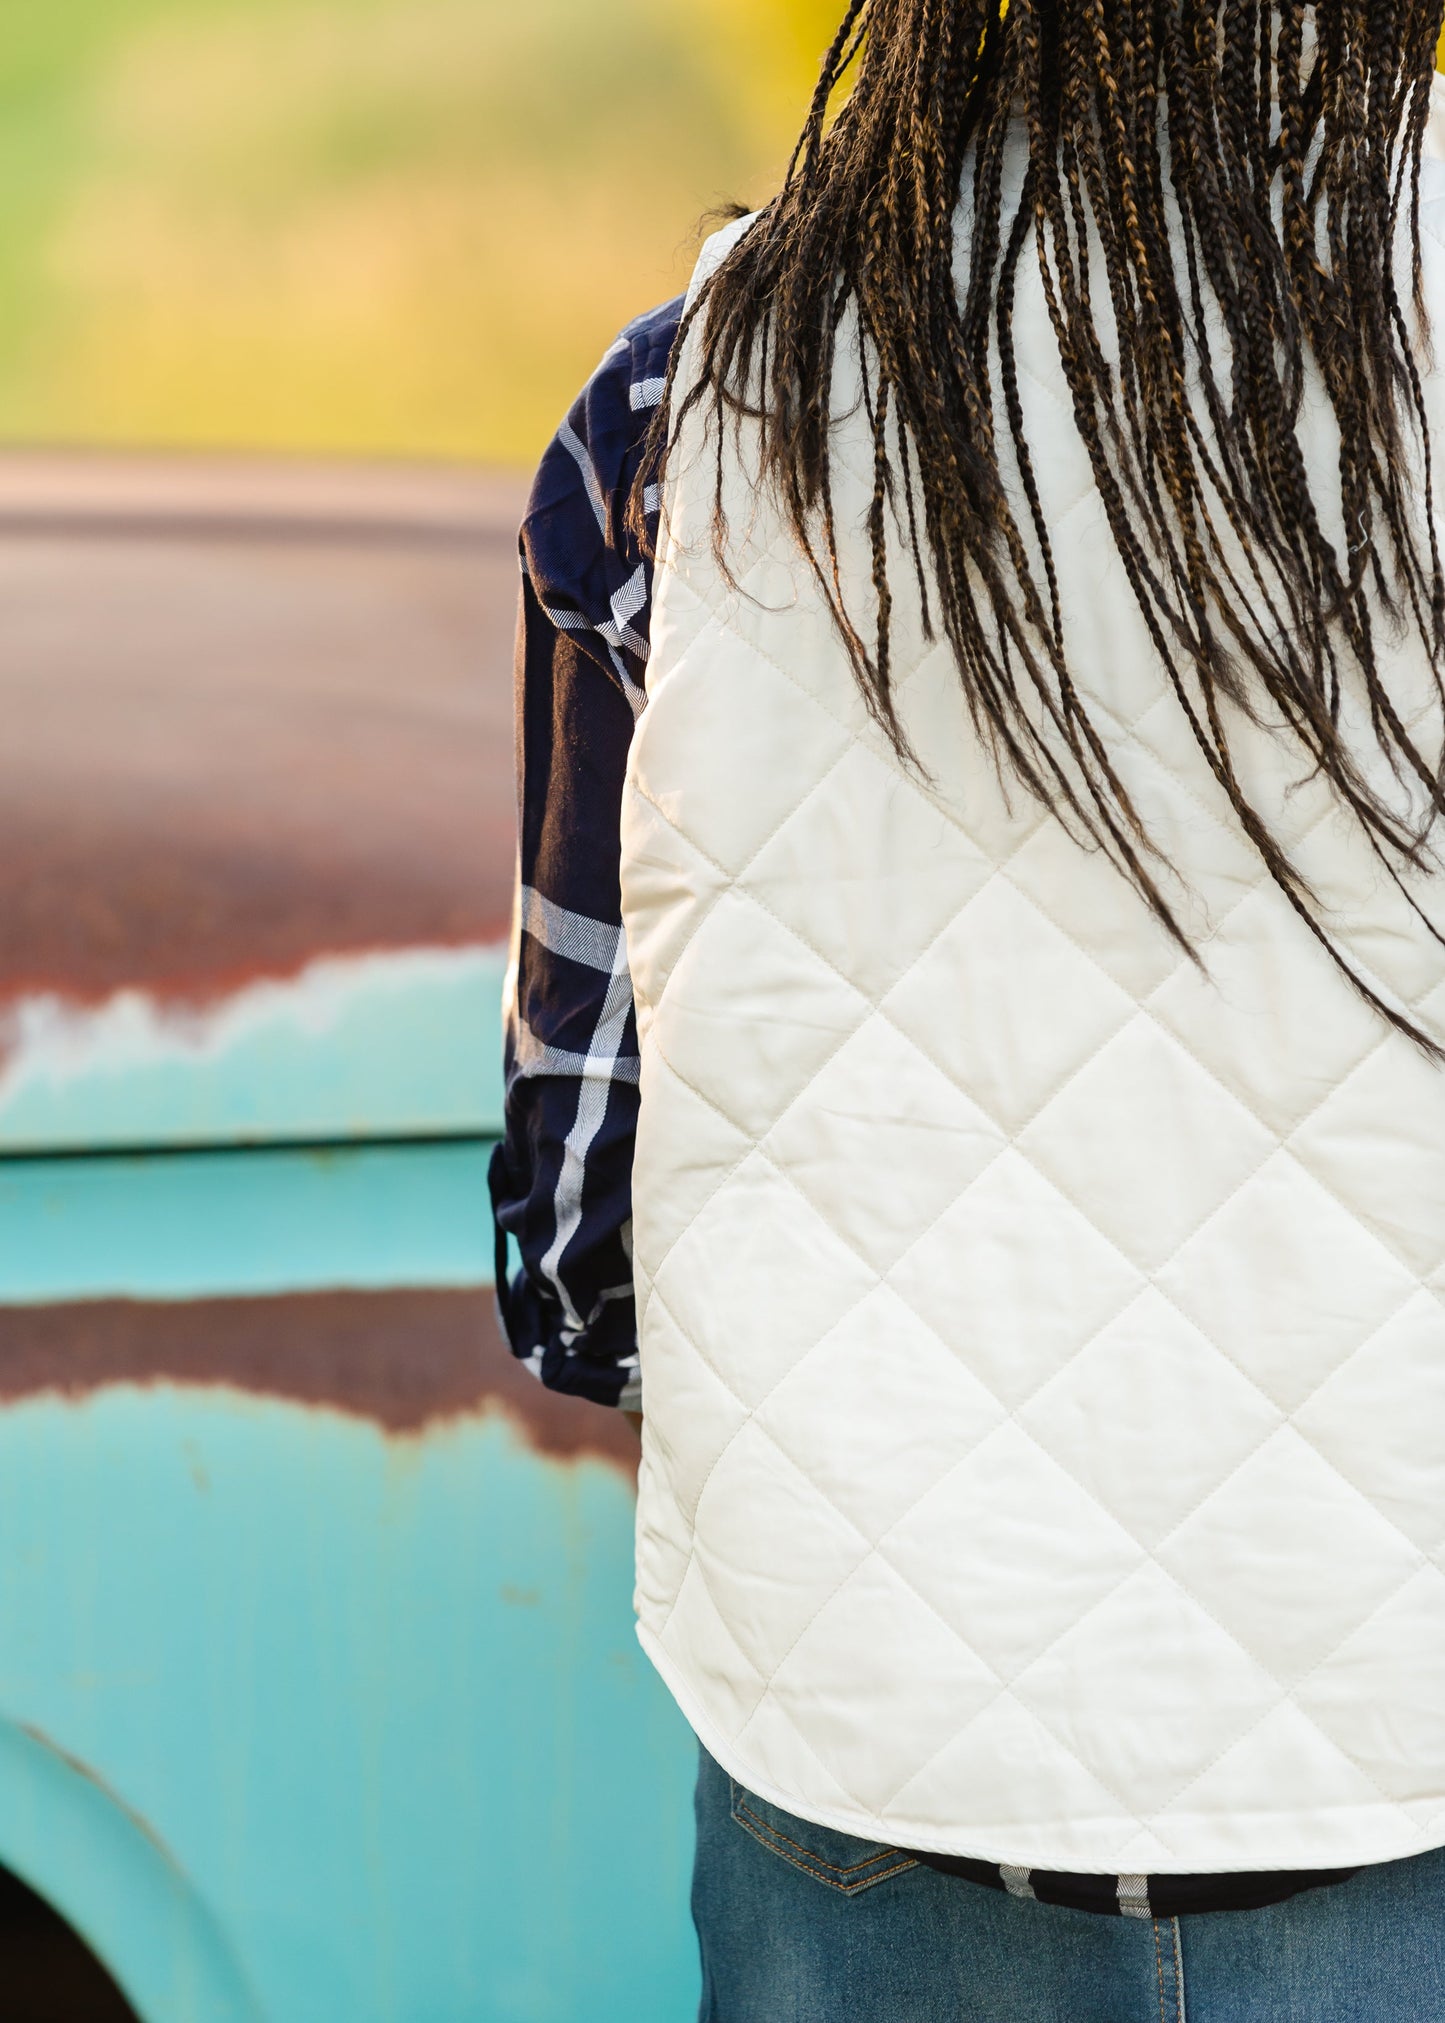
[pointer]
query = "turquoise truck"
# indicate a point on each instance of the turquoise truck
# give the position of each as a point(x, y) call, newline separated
point(319, 1701)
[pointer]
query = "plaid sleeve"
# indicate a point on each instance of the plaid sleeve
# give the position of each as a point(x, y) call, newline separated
point(561, 1178)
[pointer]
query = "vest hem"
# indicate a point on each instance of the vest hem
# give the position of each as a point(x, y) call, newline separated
point(865, 1826)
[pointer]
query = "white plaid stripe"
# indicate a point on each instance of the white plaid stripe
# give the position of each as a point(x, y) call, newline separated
point(568, 437)
point(628, 602)
point(596, 944)
point(616, 633)
point(531, 1056)
point(601, 946)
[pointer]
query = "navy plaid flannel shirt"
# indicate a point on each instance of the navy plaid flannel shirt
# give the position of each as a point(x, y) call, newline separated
point(561, 1178)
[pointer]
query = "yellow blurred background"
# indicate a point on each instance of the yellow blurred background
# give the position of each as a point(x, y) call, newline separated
point(374, 226)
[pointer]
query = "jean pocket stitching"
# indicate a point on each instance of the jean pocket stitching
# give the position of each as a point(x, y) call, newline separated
point(849, 1879)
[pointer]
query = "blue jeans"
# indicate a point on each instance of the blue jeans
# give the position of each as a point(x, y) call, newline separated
point(799, 1924)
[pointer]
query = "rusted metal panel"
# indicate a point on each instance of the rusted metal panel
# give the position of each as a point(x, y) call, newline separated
point(377, 1698)
point(319, 1697)
point(252, 715)
point(392, 1043)
point(406, 1360)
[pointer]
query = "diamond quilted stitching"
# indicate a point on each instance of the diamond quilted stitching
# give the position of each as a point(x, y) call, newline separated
point(1382, 1693)
point(1006, 974)
point(1145, 1191)
point(1436, 1281)
point(684, 1135)
point(766, 583)
point(1148, 1416)
point(979, 1267)
point(710, 769)
point(776, 1749)
point(878, 1106)
point(1276, 775)
point(1071, 886)
point(963, 780)
point(1341, 1803)
point(1044, 401)
point(853, 476)
point(920, 661)
point(696, 1625)
point(778, 612)
point(1270, 769)
point(739, 983)
point(832, 871)
point(768, 1601)
point(670, 886)
point(1109, 646)
point(1287, 1278)
point(1344, 1138)
point(1025, 1551)
point(894, 1409)
point(1004, 1773)
point(1196, 827)
point(1414, 691)
point(845, 1666)
point(1287, 1556)
point(760, 1228)
point(1143, 1688)
point(1037, 346)
point(664, 1540)
point(1306, 1033)
point(781, 608)
point(1375, 921)
point(1429, 1006)
point(1380, 1420)
point(684, 1395)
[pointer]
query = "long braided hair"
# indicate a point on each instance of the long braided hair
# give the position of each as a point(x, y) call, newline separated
point(1289, 176)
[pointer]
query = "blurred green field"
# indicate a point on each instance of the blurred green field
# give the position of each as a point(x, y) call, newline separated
point(375, 226)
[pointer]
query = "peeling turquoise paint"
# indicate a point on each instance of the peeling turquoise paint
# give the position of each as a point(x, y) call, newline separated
point(302, 1721)
point(376, 1702)
point(403, 1043)
point(189, 1225)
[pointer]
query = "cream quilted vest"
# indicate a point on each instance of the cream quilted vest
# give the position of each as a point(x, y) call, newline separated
point(1043, 1342)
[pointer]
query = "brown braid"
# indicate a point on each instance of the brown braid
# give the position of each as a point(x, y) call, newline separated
point(1148, 123)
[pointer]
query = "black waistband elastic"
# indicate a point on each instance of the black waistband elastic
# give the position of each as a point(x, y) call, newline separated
point(1143, 1896)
